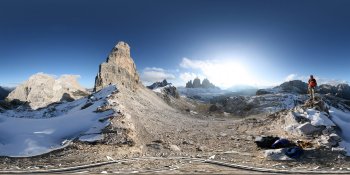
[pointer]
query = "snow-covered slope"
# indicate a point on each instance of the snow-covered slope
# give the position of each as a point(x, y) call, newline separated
point(342, 120)
point(29, 133)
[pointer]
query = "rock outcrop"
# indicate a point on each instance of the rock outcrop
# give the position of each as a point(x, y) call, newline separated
point(158, 84)
point(294, 86)
point(340, 90)
point(165, 88)
point(119, 69)
point(197, 84)
point(42, 89)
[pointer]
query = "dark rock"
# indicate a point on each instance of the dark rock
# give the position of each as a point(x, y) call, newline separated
point(86, 105)
point(265, 141)
point(263, 92)
point(201, 148)
point(158, 84)
point(187, 142)
point(295, 86)
point(67, 97)
point(214, 108)
point(172, 91)
point(154, 145)
point(157, 141)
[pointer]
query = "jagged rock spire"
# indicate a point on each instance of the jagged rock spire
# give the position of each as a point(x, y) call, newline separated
point(118, 69)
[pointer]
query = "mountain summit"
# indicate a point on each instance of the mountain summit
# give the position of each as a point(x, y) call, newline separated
point(197, 84)
point(43, 89)
point(119, 69)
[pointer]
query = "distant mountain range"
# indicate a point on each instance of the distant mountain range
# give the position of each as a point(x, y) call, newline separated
point(196, 83)
point(4, 92)
point(300, 87)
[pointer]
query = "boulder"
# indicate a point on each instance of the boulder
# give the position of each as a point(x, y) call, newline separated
point(335, 137)
point(329, 141)
point(175, 148)
point(213, 108)
point(43, 89)
point(308, 129)
point(276, 154)
point(119, 69)
point(172, 91)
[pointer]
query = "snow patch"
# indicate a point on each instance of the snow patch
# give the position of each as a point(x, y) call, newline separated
point(31, 133)
point(318, 118)
point(342, 120)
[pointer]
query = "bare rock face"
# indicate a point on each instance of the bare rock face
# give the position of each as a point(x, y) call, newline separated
point(119, 69)
point(197, 84)
point(42, 89)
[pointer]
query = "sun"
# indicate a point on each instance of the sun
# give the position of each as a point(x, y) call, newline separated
point(227, 74)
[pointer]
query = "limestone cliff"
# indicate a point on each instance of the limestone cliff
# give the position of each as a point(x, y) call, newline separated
point(42, 89)
point(119, 69)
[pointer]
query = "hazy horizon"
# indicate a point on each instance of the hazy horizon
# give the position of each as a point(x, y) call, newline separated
point(255, 43)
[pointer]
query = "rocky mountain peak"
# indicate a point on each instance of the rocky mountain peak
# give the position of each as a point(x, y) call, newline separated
point(159, 84)
point(42, 89)
point(119, 52)
point(119, 69)
point(197, 83)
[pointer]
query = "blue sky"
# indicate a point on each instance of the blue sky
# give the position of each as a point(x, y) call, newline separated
point(265, 42)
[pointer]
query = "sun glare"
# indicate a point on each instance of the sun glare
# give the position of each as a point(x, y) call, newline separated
point(227, 74)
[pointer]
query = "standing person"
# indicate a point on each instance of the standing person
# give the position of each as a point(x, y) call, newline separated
point(312, 86)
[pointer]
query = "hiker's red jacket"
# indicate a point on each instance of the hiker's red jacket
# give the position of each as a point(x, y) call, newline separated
point(312, 82)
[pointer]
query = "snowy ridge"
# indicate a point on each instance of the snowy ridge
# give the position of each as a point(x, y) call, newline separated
point(342, 120)
point(335, 122)
point(161, 89)
point(271, 103)
point(31, 133)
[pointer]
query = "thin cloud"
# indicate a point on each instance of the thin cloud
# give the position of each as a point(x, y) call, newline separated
point(291, 77)
point(153, 74)
point(187, 76)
